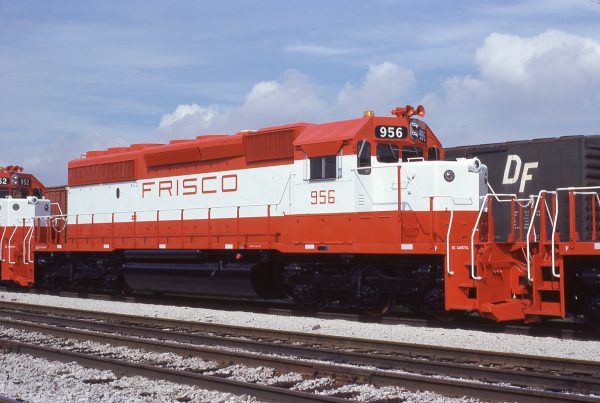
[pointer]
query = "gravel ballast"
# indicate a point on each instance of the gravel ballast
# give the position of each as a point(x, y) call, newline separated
point(470, 339)
point(38, 380)
point(34, 380)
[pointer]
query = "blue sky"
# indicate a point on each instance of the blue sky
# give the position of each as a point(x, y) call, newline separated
point(81, 75)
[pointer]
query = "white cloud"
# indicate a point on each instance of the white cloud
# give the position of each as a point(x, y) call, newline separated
point(295, 97)
point(544, 85)
point(383, 87)
point(187, 119)
point(523, 87)
point(317, 50)
point(552, 55)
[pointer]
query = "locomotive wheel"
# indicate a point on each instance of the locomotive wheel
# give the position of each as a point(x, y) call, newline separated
point(313, 306)
point(446, 316)
point(375, 302)
point(307, 297)
point(387, 302)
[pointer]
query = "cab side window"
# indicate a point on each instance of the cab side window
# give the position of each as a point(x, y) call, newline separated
point(387, 153)
point(411, 152)
point(433, 154)
point(323, 167)
point(363, 157)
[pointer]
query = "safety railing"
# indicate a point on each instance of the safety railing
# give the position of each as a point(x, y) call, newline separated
point(2, 259)
point(594, 203)
point(27, 233)
point(487, 203)
point(541, 196)
point(59, 224)
point(10, 246)
point(27, 242)
point(572, 220)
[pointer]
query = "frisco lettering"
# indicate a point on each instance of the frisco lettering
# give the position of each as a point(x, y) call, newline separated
point(191, 186)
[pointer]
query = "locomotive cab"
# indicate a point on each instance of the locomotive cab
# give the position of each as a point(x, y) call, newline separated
point(377, 187)
point(16, 184)
point(389, 152)
point(22, 208)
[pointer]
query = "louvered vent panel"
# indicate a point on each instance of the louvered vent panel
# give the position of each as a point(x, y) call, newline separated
point(172, 157)
point(271, 145)
point(118, 171)
point(100, 173)
point(84, 175)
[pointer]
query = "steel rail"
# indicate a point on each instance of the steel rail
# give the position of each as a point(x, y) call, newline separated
point(452, 387)
point(283, 337)
point(270, 393)
point(573, 384)
point(559, 328)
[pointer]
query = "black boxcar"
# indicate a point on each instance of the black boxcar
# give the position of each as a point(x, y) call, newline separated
point(526, 167)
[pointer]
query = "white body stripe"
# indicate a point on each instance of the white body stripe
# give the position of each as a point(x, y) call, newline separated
point(286, 188)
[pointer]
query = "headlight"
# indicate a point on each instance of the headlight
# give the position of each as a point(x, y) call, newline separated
point(449, 175)
point(417, 130)
point(474, 165)
point(14, 179)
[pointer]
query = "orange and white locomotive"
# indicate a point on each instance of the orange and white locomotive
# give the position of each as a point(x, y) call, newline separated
point(363, 212)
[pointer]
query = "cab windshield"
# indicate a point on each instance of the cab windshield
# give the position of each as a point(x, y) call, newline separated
point(387, 153)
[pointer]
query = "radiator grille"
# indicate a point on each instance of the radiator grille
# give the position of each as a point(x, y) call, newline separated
point(270, 145)
point(100, 173)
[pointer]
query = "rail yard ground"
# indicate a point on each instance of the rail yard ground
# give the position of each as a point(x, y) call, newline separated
point(35, 379)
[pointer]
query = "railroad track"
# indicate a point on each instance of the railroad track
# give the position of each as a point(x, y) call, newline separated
point(558, 328)
point(451, 372)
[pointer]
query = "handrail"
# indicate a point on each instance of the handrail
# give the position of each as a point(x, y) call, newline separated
point(554, 222)
point(4, 233)
point(513, 196)
point(450, 272)
point(548, 211)
point(66, 216)
point(9, 242)
point(28, 235)
point(2, 243)
point(531, 225)
point(474, 276)
point(57, 205)
point(573, 189)
point(54, 221)
point(496, 196)
point(284, 189)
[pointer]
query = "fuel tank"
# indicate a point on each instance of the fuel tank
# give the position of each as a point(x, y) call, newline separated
point(188, 272)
